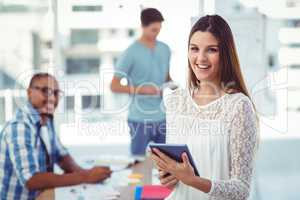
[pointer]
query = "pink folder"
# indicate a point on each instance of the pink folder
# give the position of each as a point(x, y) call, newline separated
point(155, 192)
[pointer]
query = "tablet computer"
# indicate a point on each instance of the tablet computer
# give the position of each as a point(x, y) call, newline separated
point(175, 151)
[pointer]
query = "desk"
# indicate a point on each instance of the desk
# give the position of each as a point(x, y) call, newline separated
point(127, 192)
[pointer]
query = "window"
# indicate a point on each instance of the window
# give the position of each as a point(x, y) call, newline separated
point(294, 45)
point(292, 23)
point(14, 8)
point(292, 3)
point(91, 101)
point(131, 33)
point(113, 31)
point(295, 66)
point(18, 102)
point(84, 36)
point(70, 102)
point(7, 82)
point(87, 8)
point(82, 65)
point(115, 60)
point(271, 60)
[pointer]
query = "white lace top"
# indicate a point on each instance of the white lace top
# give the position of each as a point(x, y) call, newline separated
point(222, 137)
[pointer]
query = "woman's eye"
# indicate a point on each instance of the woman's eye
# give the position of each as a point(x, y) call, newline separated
point(212, 50)
point(194, 49)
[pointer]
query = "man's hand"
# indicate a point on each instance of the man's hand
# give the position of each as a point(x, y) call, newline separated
point(96, 174)
point(148, 90)
point(116, 86)
point(167, 179)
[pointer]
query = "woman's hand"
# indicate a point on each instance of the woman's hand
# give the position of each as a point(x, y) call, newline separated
point(167, 179)
point(184, 171)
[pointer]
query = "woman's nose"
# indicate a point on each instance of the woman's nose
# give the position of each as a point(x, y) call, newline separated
point(201, 57)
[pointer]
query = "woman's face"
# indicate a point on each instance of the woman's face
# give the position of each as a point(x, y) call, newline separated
point(204, 57)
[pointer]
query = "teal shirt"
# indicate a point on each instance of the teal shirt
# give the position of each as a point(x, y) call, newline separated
point(144, 66)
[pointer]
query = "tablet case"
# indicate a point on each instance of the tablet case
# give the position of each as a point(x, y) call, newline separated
point(175, 151)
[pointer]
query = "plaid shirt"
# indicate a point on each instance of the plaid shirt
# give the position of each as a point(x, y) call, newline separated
point(24, 152)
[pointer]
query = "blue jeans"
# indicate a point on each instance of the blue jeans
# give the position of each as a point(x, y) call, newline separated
point(143, 132)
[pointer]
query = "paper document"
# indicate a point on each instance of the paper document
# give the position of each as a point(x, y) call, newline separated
point(86, 192)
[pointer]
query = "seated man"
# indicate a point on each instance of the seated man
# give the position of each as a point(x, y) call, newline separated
point(29, 147)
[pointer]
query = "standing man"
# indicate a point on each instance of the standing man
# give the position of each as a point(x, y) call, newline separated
point(145, 65)
point(29, 148)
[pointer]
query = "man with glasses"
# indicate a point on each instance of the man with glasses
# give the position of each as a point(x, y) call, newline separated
point(29, 147)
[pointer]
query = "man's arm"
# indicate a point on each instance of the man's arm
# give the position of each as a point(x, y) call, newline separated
point(68, 164)
point(116, 86)
point(25, 161)
point(47, 180)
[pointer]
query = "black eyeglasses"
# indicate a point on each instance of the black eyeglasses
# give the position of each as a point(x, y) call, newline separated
point(48, 91)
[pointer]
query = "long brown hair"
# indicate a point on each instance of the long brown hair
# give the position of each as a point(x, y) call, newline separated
point(231, 76)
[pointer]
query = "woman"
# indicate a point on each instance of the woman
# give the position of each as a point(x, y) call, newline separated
point(214, 117)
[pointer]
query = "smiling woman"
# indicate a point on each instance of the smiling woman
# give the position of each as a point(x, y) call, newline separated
point(215, 117)
point(204, 56)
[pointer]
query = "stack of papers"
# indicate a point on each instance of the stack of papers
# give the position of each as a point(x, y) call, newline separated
point(119, 178)
point(86, 192)
point(115, 162)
